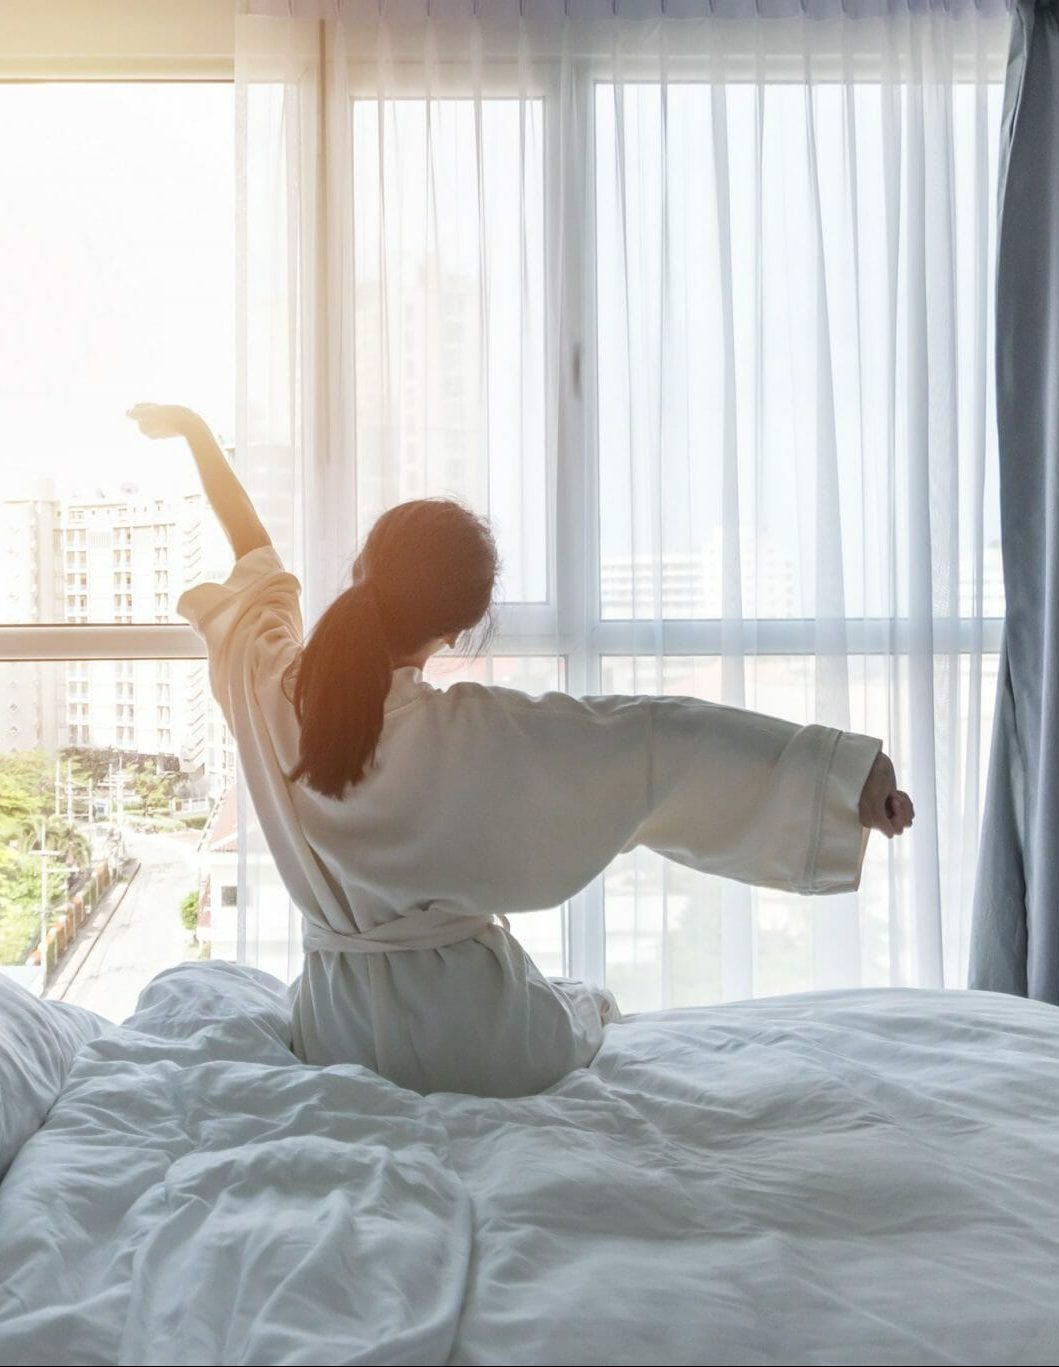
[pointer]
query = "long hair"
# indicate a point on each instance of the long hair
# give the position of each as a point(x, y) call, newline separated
point(427, 570)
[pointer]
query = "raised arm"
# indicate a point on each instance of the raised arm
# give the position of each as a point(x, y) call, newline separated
point(228, 499)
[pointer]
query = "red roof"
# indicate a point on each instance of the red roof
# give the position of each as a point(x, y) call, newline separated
point(221, 836)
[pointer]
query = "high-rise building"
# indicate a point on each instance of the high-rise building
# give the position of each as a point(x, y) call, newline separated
point(30, 691)
point(115, 550)
point(110, 555)
point(687, 584)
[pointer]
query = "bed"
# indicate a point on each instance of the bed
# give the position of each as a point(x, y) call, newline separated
point(842, 1177)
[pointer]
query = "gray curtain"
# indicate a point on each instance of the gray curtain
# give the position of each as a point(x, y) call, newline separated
point(1015, 934)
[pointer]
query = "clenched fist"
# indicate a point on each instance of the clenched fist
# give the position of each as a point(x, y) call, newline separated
point(163, 419)
point(883, 806)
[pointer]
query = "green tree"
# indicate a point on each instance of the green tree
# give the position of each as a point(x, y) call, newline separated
point(154, 791)
point(20, 901)
point(27, 797)
point(189, 911)
point(26, 789)
point(93, 763)
point(17, 803)
point(60, 836)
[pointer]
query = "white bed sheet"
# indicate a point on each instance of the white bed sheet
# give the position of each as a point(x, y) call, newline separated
point(38, 1042)
point(849, 1177)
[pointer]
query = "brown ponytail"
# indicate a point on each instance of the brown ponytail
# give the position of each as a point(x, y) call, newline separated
point(427, 570)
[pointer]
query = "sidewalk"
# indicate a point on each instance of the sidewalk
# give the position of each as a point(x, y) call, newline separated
point(74, 959)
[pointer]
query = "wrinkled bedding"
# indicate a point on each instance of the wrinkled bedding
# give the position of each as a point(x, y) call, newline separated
point(844, 1177)
point(38, 1043)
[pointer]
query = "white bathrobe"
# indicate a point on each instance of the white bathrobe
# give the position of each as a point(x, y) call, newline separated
point(485, 801)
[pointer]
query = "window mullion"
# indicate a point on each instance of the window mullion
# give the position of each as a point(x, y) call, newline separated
point(576, 551)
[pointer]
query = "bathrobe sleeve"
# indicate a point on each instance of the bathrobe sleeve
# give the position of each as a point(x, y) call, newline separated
point(753, 797)
point(258, 608)
point(252, 628)
point(721, 789)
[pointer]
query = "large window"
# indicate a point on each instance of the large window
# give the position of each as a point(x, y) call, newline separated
point(676, 327)
point(450, 338)
point(117, 268)
point(709, 351)
point(483, 325)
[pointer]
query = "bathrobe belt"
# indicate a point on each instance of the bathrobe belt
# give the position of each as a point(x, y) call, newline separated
point(430, 927)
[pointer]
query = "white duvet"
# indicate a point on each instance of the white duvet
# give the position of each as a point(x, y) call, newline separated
point(838, 1178)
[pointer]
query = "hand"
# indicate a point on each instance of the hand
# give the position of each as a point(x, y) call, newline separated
point(883, 807)
point(163, 420)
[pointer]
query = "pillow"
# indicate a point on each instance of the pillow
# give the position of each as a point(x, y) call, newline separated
point(38, 1042)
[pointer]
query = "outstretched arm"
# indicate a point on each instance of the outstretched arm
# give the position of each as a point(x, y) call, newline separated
point(228, 499)
point(763, 800)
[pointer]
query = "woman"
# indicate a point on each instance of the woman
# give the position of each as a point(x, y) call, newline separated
point(405, 819)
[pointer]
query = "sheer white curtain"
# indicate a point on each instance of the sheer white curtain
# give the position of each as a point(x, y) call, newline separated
point(699, 311)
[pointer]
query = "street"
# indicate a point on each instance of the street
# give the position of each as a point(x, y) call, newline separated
point(143, 936)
